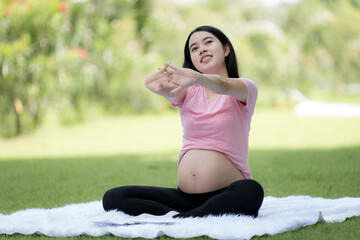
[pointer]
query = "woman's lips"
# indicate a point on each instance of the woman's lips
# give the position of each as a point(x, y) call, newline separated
point(205, 58)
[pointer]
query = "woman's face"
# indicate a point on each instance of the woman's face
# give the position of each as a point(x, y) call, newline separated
point(207, 53)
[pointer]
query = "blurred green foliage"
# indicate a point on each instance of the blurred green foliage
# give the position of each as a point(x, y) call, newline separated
point(70, 60)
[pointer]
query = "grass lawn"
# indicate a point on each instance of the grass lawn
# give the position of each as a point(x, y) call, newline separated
point(289, 155)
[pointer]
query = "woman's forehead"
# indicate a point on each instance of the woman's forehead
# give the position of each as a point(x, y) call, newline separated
point(197, 37)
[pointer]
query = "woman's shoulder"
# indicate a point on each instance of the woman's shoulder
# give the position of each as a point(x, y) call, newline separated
point(247, 80)
point(250, 84)
point(191, 92)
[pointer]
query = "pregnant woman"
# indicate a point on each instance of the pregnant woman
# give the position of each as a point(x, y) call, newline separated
point(216, 107)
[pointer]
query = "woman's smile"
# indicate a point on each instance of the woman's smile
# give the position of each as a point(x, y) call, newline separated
point(206, 58)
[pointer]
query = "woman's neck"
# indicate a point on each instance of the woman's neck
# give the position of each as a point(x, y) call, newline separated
point(221, 71)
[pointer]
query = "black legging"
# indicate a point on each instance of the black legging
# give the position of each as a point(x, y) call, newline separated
point(241, 197)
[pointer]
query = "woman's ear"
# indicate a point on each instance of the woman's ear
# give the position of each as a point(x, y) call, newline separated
point(226, 50)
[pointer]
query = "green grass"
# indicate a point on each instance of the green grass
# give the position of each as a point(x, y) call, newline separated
point(288, 155)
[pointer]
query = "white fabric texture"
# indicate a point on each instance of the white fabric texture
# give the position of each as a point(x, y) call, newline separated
point(275, 216)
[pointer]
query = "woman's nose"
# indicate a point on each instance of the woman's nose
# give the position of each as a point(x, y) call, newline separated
point(203, 50)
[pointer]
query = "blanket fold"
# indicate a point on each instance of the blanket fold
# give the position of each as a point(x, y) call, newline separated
point(275, 216)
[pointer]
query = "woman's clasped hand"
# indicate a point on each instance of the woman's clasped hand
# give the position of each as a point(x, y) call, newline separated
point(169, 80)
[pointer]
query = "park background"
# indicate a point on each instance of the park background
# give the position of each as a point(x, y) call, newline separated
point(71, 61)
point(76, 119)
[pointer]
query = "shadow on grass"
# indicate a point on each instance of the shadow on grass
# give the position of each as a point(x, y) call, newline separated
point(52, 182)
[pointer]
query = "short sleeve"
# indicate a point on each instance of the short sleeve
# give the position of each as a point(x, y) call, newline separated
point(182, 100)
point(251, 96)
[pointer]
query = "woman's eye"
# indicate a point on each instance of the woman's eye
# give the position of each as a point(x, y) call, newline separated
point(208, 42)
point(193, 49)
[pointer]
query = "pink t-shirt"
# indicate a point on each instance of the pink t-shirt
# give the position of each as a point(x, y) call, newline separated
point(222, 125)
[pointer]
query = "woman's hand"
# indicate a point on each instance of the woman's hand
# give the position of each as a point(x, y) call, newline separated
point(181, 78)
point(159, 82)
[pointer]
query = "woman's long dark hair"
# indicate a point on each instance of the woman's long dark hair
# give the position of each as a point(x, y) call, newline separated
point(230, 60)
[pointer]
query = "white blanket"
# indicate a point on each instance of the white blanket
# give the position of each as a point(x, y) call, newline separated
point(275, 216)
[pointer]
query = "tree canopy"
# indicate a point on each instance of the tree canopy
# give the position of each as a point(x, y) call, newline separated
point(72, 59)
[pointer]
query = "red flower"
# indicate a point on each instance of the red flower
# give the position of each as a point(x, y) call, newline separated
point(63, 6)
point(81, 53)
point(8, 10)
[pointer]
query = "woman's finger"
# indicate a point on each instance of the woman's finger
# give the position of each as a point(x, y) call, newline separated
point(166, 84)
point(167, 74)
point(172, 67)
point(166, 70)
point(162, 69)
point(170, 71)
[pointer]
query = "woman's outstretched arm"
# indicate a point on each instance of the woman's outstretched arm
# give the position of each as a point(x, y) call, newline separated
point(184, 77)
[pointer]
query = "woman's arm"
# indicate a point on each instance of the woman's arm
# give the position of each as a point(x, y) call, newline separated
point(220, 85)
point(184, 77)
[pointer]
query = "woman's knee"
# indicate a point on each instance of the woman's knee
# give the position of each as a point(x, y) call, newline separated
point(250, 188)
point(117, 197)
point(256, 188)
point(250, 193)
point(108, 200)
point(113, 197)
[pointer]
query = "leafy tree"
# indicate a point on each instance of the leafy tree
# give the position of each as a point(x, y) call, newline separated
point(69, 59)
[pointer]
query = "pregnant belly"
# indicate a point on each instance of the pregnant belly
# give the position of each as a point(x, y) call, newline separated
point(205, 171)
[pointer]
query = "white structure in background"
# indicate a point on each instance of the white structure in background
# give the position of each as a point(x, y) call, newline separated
point(313, 108)
point(275, 3)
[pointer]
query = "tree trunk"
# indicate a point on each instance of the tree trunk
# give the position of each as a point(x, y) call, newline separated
point(18, 124)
